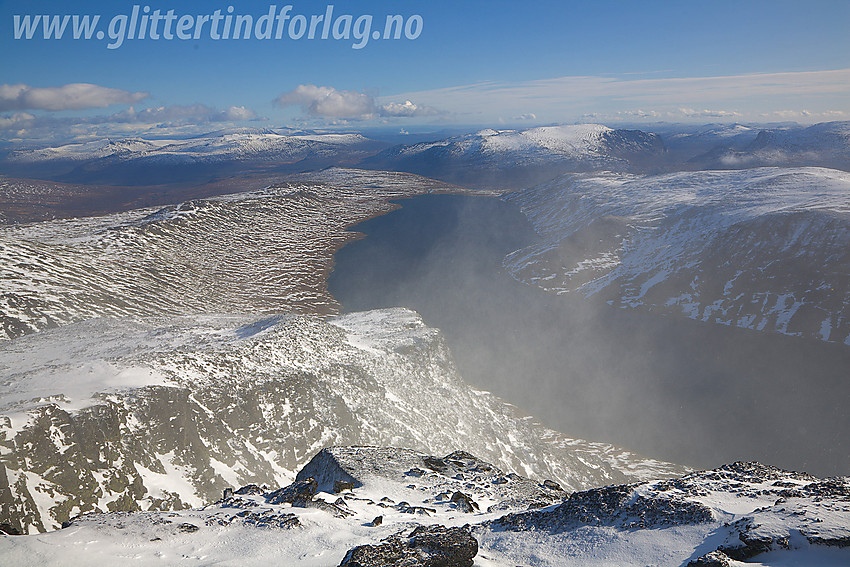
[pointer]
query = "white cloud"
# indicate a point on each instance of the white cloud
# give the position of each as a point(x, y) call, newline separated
point(328, 102)
point(407, 109)
point(73, 96)
point(640, 113)
point(195, 113)
point(825, 115)
point(336, 105)
point(706, 113)
point(526, 116)
point(159, 121)
point(17, 120)
point(235, 114)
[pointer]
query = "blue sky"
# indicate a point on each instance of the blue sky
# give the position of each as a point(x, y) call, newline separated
point(474, 63)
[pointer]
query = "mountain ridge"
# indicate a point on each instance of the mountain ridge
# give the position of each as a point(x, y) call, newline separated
point(168, 412)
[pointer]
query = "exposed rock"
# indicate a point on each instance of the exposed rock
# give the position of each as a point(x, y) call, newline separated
point(733, 513)
point(333, 509)
point(341, 485)
point(787, 510)
point(425, 546)
point(453, 474)
point(616, 506)
point(187, 528)
point(268, 519)
point(464, 502)
point(251, 394)
point(298, 492)
point(9, 529)
point(713, 559)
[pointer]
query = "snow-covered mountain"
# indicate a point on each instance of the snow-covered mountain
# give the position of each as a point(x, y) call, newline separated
point(765, 249)
point(826, 145)
point(134, 160)
point(130, 414)
point(242, 143)
point(267, 250)
point(508, 158)
point(385, 507)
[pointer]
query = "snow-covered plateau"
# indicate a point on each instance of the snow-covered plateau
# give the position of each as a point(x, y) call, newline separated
point(259, 251)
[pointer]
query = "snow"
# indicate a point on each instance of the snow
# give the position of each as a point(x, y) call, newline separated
point(64, 373)
point(172, 481)
point(152, 538)
point(585, 145)
point(704, 244)
point(221, 145)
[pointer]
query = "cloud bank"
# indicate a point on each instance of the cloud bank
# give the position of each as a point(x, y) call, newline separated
point(738, 97)
point(73, 96)
point(196, 113)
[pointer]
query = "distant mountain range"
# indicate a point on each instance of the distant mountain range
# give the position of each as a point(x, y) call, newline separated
point(824, 145)
point(491, 158)
point(511, 158)
point(136, 161)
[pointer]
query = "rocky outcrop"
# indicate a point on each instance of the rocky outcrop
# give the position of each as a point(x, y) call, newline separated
point(425, 546)
point(446, 476)
point(618, 506)
point(755, 508)
point(713, 559)
point(409, 509)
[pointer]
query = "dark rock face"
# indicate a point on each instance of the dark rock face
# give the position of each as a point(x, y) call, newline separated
point(713, 559)
point(617, 506)
point(297, 492)
point(339, 486)
point(752, 544)
point(464, 502)
point(268, 519)
point(9, 529)
point(425, 546)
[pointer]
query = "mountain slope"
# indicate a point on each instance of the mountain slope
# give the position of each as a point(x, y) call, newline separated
point(162, 413)
point(764, 249)
point(825, 145)
point(506, 158)
point(385, 507)
point(266, 250)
